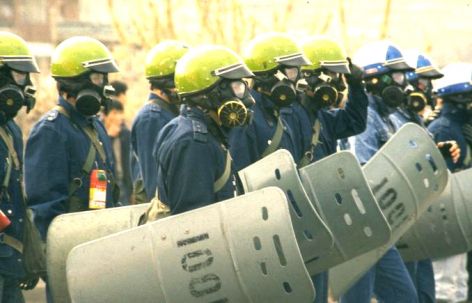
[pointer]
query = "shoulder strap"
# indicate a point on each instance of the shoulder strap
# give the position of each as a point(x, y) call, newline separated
point(221, 181)
point(12, 157)
point(308, 156)
point(8, 139)
point(276, 139)
point(91, 133)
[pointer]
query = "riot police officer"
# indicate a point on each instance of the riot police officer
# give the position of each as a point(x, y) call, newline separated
point(384, 67)
point(320, 125)
point(16, 91)
point(158, 111)
point(324, 86)
point(418, 97)
point(456, 91)
point(193, 162)
point(275, 59)
point(68, 156)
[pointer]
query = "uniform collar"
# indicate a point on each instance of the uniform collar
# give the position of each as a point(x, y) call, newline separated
point(153, 96)
point(171, 108)
point(194, 112)
point(75, 116)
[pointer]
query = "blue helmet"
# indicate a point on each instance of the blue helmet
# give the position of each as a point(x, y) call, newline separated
point(424, 68)
point(457, 80)
point(380, 57)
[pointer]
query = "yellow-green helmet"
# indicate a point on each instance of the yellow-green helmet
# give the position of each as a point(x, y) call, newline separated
point(325, 53)
point(201, 67)
point(268, 51)
point(161, 60)
point(15, 54)
point(77, 55)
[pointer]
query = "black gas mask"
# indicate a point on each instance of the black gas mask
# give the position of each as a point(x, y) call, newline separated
point(463, 101)
point(280, 85)
point(16, 90)
point(320, 91)
point(389, 86)
point(90, 90)
point(419, 95)
point(231, 101)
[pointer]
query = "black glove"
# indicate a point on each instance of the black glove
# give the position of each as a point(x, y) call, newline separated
point(355, 77)
point(28, 282)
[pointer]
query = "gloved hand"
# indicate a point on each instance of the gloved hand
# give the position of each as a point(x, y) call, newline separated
point(28, 282)
point(355, 77)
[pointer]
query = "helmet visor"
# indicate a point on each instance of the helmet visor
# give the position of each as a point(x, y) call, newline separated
point(102, 65)
point(341, 67)
point(20, 63)
point(429, 72)
point(297, 59)
point(234, 71)
point(398, 64)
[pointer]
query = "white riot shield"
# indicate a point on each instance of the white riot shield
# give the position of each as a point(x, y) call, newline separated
point(69, 230)
point(343, 198)
point(239, 250)
point(446, 228)
point(278, 169)
point(405, 175)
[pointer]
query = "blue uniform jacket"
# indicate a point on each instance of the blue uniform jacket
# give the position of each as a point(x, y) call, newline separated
point(335, 123)
point(402, 116)
point(147, 124)
point(448, 126)
point(56, 151)
point(379, 129)
point(247, 144)
point(12, 205)
point(189, 160)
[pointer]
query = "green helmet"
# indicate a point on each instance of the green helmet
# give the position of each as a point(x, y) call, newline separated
point(201, 67)
point(77, 55)
point(15, 54)
point(268, 51)
point(161, 60)
point(325, 53)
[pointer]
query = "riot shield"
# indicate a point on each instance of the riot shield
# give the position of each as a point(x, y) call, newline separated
point(446, 228)
point(278, 169)
point(69, 230)
point(337, 187)
point(239, 250)
point(405, 175)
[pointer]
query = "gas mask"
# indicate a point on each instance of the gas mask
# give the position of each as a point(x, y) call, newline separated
point(319, 90)
point(463, 101)
point(281, 85)
point(91, 92)
point(389, 87)
point(16, 90)
point(232, 102)
point(420, 95)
